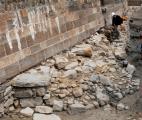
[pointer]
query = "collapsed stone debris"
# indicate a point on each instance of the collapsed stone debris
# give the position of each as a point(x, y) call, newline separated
point(89, 75)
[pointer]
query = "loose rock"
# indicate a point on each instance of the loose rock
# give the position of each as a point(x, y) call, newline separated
point(120, 106)
point(71, 66)
point(71, 74)
point(130, 69)
point(40, 92)
point(23, 93)
point(31, 80)
point(37, 116)
point(43, 109)
point(31, 102)
point(58, 105)
point(8, 90)
point(60, 62)
point(101, 96)
point(27, 112)
point(46, 97)
point(83, 51)
point(78, 92)
point(76, 108)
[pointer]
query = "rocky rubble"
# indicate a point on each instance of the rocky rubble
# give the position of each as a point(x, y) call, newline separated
point(89, 75)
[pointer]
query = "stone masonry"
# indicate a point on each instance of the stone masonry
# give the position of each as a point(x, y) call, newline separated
point(31, 34)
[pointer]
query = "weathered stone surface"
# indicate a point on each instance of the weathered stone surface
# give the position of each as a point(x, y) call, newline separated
point(71, 74)
point(23, 93)
point(31, 80)
point(107, 108)
point(8, 90)
point(130, 69)
point(31, 102)
point(101, 96)
point(120, 106)
point(27, 112)
point(90, 106)
point(71, 66)
point(46, 97)
point(43, 109)
point(95, 78)
point(96, 104)
point(84, 87)
point(37, 116)
point(83, 51)
point(11, 108)
point(40, 92)
point(76, 108)
point(105, 81)
point(86, 69)
point(118, 95)
point(9, 102)
point(1, 108)
point(120, 53)
point(90, 63)
point(16, 103)
point(60, 62)
point(45, 69)
point(54, 73)
point(78, 92)
point(58, 105)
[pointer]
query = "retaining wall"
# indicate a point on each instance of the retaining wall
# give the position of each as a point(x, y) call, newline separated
point(31, 34)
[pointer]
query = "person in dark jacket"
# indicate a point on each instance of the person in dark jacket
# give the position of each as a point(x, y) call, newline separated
point(116, 21)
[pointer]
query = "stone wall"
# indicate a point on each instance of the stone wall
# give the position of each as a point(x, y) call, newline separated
point(134, 2)
point(31, 34)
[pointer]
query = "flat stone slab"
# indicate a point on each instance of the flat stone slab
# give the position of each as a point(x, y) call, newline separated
point(37, 116)
point(31, 80)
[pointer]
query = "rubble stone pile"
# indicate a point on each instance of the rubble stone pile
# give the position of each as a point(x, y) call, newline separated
point(87, 76)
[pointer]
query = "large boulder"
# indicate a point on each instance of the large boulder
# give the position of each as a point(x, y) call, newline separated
point(31, 80)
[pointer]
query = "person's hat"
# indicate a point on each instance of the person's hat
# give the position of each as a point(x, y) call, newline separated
point(113, 13)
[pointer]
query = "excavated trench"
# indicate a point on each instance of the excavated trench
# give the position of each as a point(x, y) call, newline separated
point(108, 113)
